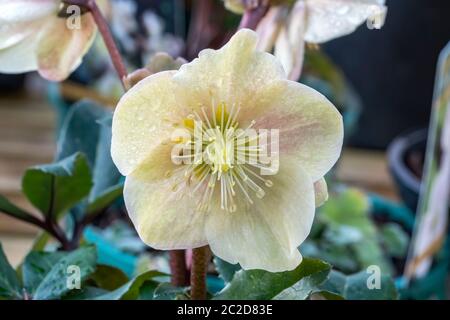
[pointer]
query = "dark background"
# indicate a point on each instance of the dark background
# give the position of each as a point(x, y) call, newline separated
point(393, 69)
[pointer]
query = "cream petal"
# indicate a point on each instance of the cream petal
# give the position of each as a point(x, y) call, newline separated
point(232, 74)
point(61, 48)
point(14, 11)
point(321, 192)
point(143, 119)
point(164, 218)
point(329, 19)
point(266, 234)
point(310, 127)
point(20, 57)
point(269, 27)
point(12, 33)
point(290, 44)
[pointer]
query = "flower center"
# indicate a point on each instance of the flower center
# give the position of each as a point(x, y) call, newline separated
point(222, 159)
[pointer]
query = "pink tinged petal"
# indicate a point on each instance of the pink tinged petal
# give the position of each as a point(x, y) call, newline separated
point(164, 212)
point(266, 234)
point(145, 117)
point(321, 192)
point(290, 45)
point(269, 27)
point(62, 48)
point(330, 19)
point(310, 127)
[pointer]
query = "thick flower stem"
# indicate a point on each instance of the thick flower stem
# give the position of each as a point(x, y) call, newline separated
point(180, 274)
point(200, 257)
point(103, 28)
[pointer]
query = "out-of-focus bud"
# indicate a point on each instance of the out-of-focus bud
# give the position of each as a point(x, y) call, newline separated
point(161, 61)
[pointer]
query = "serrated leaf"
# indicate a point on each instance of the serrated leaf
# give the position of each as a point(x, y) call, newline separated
point(264, 285)
point(225, 269)
point(10, 287)
point(130, 290)
point(54, 284)
point(56, 187)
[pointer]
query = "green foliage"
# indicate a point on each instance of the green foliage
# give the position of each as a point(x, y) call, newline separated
point(87, 129)
point(55, 188)
point(130, 290)
point(225, 269)
point(53, 284)
point(264, 285)
point(346, 236)
point(108, 278)
point(355, 286)
point(12, 210)
point(10, 287)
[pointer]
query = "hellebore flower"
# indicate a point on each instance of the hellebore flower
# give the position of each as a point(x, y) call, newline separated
point(286, 27)
point(245, 214)
point(44, 35)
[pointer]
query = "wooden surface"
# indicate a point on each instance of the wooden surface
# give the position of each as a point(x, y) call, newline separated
point(27, 139)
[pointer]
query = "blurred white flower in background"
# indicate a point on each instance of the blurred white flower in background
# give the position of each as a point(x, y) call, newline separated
point(289, 24)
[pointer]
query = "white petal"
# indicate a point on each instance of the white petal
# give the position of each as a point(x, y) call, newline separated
point(310, 127)
point(329, 19)
point(164, 219)
point(142, 120)
point(321, 192)
point(13, 11)
point(232, 74)
point(20, 57)
point(266, 235)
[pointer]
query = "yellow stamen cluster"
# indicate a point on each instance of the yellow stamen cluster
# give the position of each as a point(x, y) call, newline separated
point(226, 160)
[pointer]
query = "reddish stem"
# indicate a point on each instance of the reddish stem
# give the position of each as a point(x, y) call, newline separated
point(180, 274)
point(103, 28)
point(200, 257)
point(253, 15)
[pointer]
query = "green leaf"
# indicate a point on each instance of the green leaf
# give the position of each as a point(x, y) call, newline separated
point(395, 240)
point(225, 269)
point(351, 208)
point(54, 284)
point(40, 242)
point(87, 129)
point(12, 210)
point(86, 293)
point(307, 285)
point(10, 287)
point(166, 291)
point(57, 187)
point(108, 278)
point(264, 285)
point(130, 290)
point(36, 266)
point(355, 286)
point(105, 199)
